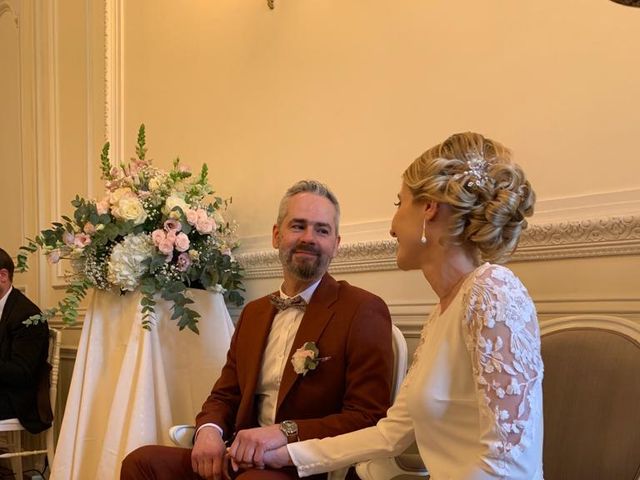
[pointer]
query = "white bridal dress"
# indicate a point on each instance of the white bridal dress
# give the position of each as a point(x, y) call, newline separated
point(472, 399)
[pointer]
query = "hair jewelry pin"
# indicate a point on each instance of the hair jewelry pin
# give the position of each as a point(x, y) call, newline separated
point(476, 171)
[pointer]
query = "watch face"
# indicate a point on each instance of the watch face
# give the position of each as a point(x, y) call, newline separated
point(289, 427)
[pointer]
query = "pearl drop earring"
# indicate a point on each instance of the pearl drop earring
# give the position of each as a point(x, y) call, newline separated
point(423, 238)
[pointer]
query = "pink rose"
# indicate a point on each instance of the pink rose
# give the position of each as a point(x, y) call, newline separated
point(172, 224)
point(171, 236)
point(166, 247)
point(182, 242)
point(103, 206)
point(202, 214)
point(204, 225)
point(82, 240)
point(184, 262)
point(157, 236)
point(89, 228)
point(192, 216)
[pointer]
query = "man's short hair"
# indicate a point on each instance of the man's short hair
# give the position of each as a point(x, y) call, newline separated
point(308, 186)
point(6, 262)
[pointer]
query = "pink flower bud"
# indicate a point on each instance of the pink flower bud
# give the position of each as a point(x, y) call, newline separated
point(172, 224)
point(89, 228)
point(54, 256)
point(184, 262)
point(182, 242)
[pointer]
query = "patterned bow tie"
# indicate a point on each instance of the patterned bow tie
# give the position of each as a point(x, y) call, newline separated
point(284, 303)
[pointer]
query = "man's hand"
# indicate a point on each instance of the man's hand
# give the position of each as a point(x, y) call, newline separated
point(250, 445)
point(208, 453)
point(278, 458)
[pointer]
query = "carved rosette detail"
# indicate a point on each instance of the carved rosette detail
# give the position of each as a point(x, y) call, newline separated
point(5, 7)
point(585, 238)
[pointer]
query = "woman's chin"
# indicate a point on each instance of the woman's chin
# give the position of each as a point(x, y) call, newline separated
point(405, 263)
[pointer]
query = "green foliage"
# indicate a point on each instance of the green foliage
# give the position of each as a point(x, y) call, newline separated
point(67, 308)
point(105, 163)
point(141, 148)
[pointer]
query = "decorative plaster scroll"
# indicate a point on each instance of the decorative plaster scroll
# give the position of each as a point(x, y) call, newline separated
point(5, 7)
point(586, 238)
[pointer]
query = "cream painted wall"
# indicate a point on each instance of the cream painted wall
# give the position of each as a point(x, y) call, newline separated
point(10, 155)
point(351, 91)
point(345, 91)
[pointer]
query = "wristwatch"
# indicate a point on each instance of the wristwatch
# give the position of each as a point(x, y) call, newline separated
point(290, 430)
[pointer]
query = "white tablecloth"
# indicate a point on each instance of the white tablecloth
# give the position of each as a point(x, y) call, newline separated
point(130, 385)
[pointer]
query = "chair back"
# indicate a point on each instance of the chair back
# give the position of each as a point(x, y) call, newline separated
point(591, 393)
point(55, 340)
point(400, 356)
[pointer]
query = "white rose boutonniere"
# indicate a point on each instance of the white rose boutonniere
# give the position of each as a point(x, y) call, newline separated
point(307, 358)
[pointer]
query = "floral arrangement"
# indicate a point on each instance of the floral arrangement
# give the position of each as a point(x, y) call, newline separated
point(153, 230)
point(307, 358)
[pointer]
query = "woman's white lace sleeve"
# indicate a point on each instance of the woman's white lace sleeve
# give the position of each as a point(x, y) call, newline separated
point(502, 336)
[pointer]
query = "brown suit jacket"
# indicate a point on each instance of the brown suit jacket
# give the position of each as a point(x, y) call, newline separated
point(348, 392)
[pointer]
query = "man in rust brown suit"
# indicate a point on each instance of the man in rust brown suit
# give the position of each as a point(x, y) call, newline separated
point(260, 402)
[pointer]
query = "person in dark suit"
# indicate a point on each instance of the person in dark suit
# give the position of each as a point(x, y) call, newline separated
point(24, 371)
point(267, 394)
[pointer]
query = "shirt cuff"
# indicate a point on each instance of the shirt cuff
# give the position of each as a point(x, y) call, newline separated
point(205, 425)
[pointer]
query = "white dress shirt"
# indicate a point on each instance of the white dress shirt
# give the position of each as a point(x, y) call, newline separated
point(274, 360)
point(276, 355)
point(3, 301)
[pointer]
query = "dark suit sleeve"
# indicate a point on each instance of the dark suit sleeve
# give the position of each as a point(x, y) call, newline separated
point(18, 366)
point(222, 404)
point(368, 376)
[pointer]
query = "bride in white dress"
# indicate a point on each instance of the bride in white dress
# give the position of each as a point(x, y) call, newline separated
point(472, 399)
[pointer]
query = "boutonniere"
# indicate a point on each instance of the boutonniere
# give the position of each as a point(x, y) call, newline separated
point(307, 358)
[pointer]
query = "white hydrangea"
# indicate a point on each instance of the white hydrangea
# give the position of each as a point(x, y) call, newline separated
point(126, 261)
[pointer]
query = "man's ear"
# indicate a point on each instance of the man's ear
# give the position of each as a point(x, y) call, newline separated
point(275, 236)
point(335, 250)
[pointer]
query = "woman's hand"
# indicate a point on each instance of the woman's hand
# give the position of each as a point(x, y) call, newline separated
point(277, 458)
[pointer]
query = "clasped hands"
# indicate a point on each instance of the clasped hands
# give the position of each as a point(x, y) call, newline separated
point(252, 448)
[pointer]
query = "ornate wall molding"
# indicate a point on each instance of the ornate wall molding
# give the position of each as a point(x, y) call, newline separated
point(114, 76)
point(5, 7)
point(613, 236)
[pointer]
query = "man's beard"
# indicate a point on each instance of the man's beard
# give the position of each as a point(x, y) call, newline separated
point(306, 269)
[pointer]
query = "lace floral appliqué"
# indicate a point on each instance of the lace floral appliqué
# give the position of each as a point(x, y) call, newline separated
point(502, 337)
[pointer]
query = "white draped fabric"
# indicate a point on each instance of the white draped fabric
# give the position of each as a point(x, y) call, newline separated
point(130, 385)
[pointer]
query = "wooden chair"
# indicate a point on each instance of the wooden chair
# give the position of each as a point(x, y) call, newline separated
point(591, 393)
point(12, 426)
point(408, 464)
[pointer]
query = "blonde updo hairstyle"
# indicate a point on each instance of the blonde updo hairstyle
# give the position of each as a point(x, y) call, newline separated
point(488, 214)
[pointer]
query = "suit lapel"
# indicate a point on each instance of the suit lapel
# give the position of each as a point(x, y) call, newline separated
point(260, 327)
point(315, 319)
